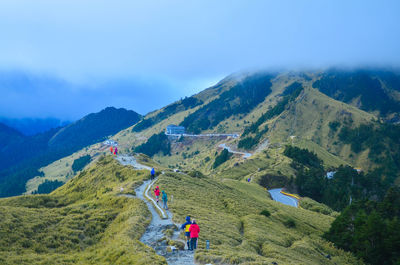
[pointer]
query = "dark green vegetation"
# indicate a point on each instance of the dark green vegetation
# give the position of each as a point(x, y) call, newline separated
point(155, 144)
point(239, 99)
point(48, 186)
point(383, 143)
point(302, 156)
point(370, 229)
point(183, 104)
point(365, 85)
point(289, 95)
point(336, 192)
point(21, 156)
point(370, 204)
point(82, 222)
point(265, 212)
point(222, 158)
point(80, 163)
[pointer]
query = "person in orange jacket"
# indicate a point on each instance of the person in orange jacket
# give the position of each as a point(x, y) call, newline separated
point(194, 230)
point(111, 150)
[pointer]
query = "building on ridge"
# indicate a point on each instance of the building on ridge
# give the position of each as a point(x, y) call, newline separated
point(174, 129)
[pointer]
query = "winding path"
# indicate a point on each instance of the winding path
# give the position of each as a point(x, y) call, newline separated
point(154, 232)
point(244, 154)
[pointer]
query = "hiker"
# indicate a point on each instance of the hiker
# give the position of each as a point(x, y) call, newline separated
point(165, 200)
point(116, 151)
point(111, 150)
point(157, 193)
point(152, 173)
point(194, 230)
point(186, 227)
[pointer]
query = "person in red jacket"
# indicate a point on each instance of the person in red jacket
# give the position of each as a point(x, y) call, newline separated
point(194, 230)
point(157, 193)
point(111, 149)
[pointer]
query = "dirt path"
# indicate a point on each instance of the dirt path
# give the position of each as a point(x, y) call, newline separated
point(244, 154)
point(154, 235)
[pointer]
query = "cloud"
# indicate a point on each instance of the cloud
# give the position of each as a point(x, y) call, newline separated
point(175, 44)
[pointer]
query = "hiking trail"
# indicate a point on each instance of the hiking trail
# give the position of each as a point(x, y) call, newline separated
point(154, 235)
point(244, 154)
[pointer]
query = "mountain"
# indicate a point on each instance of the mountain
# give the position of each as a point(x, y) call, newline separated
point(7, 135)
point(87, 221)
point(94, 127)
point(297, 127)
point(370, 90)
point(32, 126)
point(21, 159)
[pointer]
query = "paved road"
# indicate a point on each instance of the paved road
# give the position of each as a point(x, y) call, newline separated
point(233, 135)
point(244, 154)
point(279, 197)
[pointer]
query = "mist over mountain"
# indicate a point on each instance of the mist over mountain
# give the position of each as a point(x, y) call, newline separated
point(32, 126)
point(330, 137)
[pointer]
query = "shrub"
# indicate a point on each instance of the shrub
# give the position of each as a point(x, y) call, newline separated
point(80, 163)
point(222, 158)
point(156, 143)
point(290, 223)
point(265, 212)
point(48, 186)
point(196, 174)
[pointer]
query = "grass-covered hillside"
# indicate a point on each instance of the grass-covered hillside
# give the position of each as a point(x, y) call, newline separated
point(83, 222)
point(280, 109)
point(244, 226)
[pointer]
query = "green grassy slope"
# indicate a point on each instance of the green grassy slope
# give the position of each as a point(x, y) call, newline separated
point(308, 119)
point(228, 214)
point(82, 222)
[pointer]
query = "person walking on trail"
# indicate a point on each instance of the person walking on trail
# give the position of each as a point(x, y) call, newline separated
point(165, 200)
point(116, 151)
point(194, 230)
point(157, 193)
point(186, 227)
point(111, 150)
point(152, 173)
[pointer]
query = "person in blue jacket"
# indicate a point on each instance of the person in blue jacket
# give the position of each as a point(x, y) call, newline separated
point(186, 227)
point(165, 200)
point(152, 173)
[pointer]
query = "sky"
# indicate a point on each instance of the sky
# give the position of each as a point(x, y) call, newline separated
point(65, 59)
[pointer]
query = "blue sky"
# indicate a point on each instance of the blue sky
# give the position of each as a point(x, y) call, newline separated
point(68, 58)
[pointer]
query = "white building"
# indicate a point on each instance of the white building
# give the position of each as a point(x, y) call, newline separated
point(174, 129)
point(110, 143)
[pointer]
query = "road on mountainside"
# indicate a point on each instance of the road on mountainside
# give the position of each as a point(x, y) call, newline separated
point(244, 154)
point(282, 198)
point(233, 135)
point(154, 232)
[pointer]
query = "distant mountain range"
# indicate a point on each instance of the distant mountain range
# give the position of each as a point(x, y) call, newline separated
point(32, 126)
point(295, 126)
point(21, 156)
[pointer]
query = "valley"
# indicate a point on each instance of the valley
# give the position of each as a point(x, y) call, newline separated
point(249, 134)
